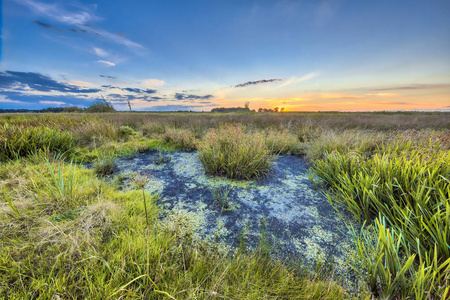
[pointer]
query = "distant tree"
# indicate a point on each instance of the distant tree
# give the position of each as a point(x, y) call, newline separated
point(51, 110)
point(101, 107)
point(246, 105)
point(265, 110)
point(276, 109)
point(73, 109)
point(230, 109)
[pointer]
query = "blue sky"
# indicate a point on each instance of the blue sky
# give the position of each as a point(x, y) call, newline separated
point(196, 55)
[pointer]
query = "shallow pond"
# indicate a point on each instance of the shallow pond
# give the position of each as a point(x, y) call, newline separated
point(294, 217)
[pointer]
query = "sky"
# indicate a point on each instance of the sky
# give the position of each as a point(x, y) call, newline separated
point(303, 55)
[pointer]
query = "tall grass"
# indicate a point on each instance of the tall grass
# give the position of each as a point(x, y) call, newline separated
point(16, 141)
point(231, 152)
point(407, 188)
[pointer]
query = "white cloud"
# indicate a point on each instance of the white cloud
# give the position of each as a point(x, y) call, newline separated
point(296, 79)
point(79, 19)
point(4, 100)
point(106, 63)
point(153, 83)
point(52, 102)
point(100, 52)
point(59, 14)
point(115, 38)
point(78, 83)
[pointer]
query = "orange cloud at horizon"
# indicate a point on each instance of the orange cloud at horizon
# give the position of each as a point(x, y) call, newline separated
point(349, 102)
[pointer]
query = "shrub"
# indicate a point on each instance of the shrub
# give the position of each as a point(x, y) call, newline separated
point(17, 141)
point(180, 139)
point(100, 107)
point(231, 152)
point(127, 131)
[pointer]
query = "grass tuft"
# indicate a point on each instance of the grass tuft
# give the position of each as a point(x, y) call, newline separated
point(231, 152)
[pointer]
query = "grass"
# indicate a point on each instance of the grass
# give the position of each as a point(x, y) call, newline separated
point(404, 190)
point(67, 233)
point(115, 247)
point(233, 153)
point(105, 165)
point(17, 142)
point(220, 194)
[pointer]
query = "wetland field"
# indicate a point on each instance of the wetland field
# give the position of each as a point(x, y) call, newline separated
point(225, 205)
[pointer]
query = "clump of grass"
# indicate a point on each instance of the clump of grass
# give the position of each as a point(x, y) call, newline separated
point(220, 194)
point(127, 131)
point(355, 141)
point(180, 139)
point(162, 157)
point(282, 142)
point(231, 152)
point(105, 165)
point(96, 132)
point(67, 215)
point(18, 141)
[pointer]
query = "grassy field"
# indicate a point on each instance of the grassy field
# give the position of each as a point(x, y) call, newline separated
point(68, 232)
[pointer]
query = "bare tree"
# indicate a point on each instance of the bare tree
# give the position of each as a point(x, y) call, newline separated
point(129, 104)
point(106, 102)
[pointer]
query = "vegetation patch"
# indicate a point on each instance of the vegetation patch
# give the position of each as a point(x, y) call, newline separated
point(22, 141)
point(67, 233)
point(231, 152)
point(405, 192)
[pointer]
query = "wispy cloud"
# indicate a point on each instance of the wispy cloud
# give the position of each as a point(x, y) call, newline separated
point(173, 107)
point(47, 26)
point(78, 83)
point(21, 98)
point(106, 63)
point(3, 99)
point(257, 82)
point(117, 38)
point(38, 82)
point(59, 14)
point(152, 83)
point(108, 76)
point(100, 52)
point(57, 103)
point(414, 87)
point(136, 90)
point(80, 19)
point(182, 96)
point(293, 80)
